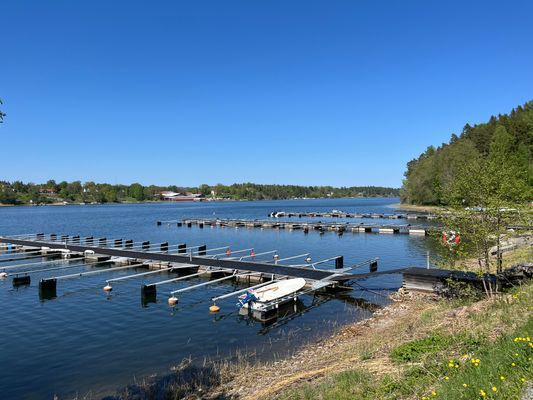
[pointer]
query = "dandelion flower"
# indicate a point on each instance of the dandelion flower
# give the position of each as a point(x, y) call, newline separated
point(513, 365)
point(502, 378)
point(433, 393)
point(446, 378)
point(482, 393)
point(465, 385)
point(522, 379)
point(494, 389)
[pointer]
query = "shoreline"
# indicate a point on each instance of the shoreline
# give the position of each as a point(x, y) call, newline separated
point(416, 208)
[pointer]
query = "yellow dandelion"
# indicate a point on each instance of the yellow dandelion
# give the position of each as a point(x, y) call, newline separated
point(456, 365)
point(494, 389)
point(465, 385)
point(446, 378)
point(513, 365)
point(433, 393)
point(522, 379)
point(502, 378)
point(482, 393)
point(516, 354)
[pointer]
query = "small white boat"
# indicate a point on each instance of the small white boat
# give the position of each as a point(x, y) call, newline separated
point(256, 299)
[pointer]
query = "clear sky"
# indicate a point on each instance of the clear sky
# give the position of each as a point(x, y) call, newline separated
point(302, 92)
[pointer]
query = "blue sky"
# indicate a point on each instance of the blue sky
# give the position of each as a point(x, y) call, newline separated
point(302, 92)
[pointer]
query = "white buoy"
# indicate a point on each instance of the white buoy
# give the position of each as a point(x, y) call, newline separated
point(3, 275)
point(308, 260)
point(108, 288)
point(172, 301)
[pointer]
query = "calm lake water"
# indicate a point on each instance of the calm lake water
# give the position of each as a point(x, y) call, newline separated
point(85, 341)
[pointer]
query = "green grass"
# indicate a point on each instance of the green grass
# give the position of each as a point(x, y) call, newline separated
point(439, 365)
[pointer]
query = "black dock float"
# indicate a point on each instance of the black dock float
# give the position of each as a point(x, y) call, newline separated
point(202, 250)
point(164, 247)
point(339, 262)
point(181, 248)
point(47, 289)
point(21, 280)
point(148, 291)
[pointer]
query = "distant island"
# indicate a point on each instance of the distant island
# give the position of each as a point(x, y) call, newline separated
point(20, 193)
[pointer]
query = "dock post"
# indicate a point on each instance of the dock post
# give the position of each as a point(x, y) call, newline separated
point(373, 266)
point(21, 280)
point(76, 239)
point(128, 243)
point(102, 242)
point(339, 262)
point(201, 225)
point(47, 289)
point(40, 236)
point(89, 240)
point(148, 291)
point(164, 246)
point(202, 250)
point(53, 236)
point(179, 224)
point(181, 248)
point(158, 223)
point(146, 245)
point(118, 242)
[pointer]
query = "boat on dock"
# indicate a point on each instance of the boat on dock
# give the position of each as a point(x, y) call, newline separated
point(280, 292)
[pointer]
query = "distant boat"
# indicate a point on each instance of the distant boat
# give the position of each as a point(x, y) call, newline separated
point(257, 299)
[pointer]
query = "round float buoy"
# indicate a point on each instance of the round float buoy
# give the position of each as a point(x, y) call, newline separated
point(172, 301)
point(108, 288)
point(3, 274)
point(214, 308)
point(308, 260)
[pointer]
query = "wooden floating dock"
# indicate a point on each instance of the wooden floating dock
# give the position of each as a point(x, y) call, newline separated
point(342, 214)
point(196, 261)
point(320, 227)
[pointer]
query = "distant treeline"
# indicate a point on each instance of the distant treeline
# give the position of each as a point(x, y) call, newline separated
point(89, 192)
point(507, 137)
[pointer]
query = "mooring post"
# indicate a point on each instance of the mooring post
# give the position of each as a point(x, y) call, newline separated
point(148, 291)
point(202, 250)
point(118, 242)
point(89, 240)
point(164, 246)
point(21, 280)
point(182, 248)
point(76, 239)
point(201, 225)
point(128, 243)
point(146, 245)
point(53, 236)
point(339, 262)
point(40, 236)
point(102, 242)
point(158, 223)
point(179, 224)
point(373, 266)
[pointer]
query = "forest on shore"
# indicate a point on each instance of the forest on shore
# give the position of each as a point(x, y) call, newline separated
point(501, 148)
point(16, 193)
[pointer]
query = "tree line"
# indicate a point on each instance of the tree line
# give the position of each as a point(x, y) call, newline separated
point(18, 192)
point(496, 154)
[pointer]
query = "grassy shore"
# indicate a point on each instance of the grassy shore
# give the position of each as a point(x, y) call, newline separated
point(419, 347)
